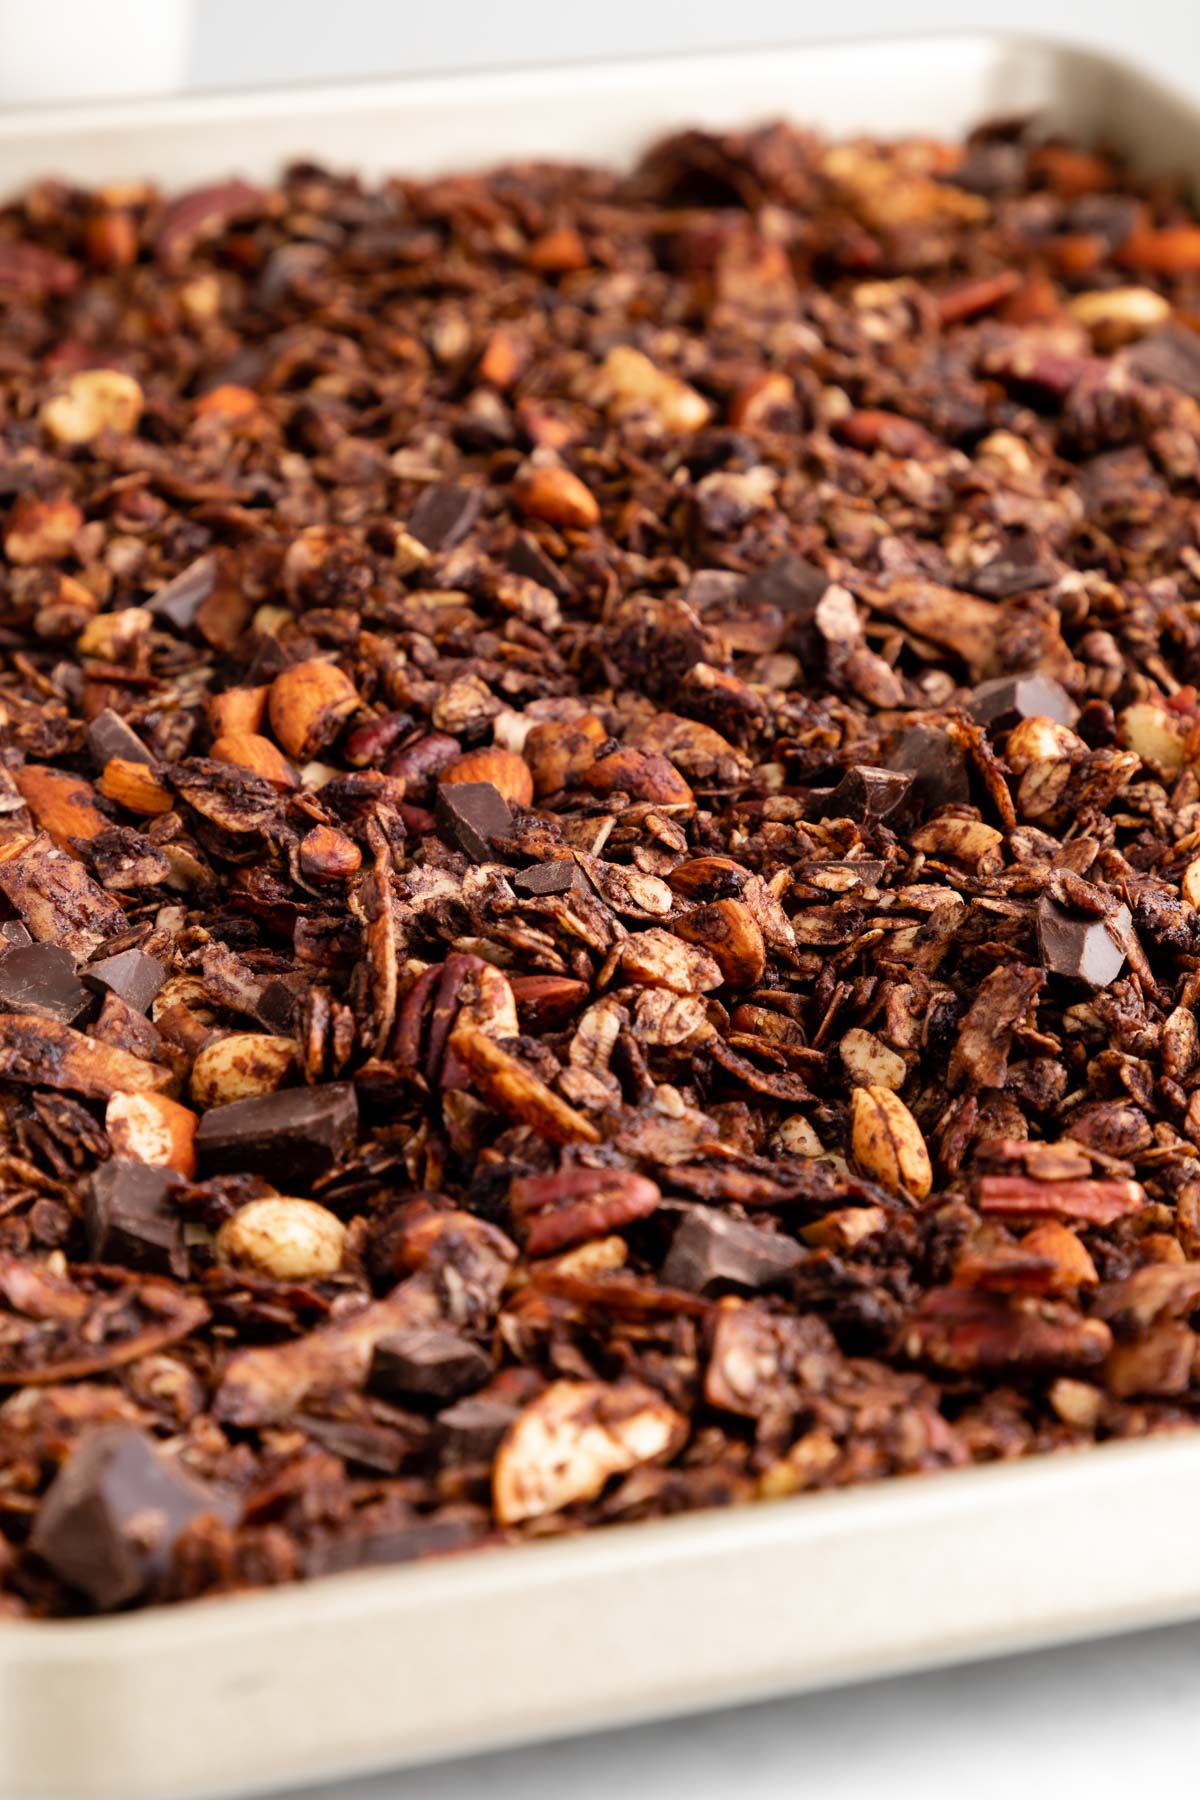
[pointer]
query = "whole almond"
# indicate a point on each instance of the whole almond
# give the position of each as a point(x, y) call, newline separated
point(886, 1143)
point(246, 750)
point(241, 1066)
point(555, 495)
point(64, 805)
point(237, 709)
point(728, 931)
point(135, 786)
point(641, 776)
point(92, 401)
point(505, 770)
point(559, 753)
point(150, 1128)
point(308, 705)
point(284, 1239)
point(41, 531)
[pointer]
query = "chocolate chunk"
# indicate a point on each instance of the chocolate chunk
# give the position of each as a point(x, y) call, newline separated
point(130, 1220)
point(292, 1137)
point(936, 764)
point(431, 1364)
point(113, 1514)
point(865, 793)
point(277, 1007)
point(12, 932)
point(999, 704)
point(792, 584)
point(1017, 569)
point(40, 980)
point(471, 814)
point(526, 557)
point(444, 515)
point(471, 1429)
point(1082, 946)
point(710, 1251)
point(371, 1549)
point(1171, 355)
point(108, 735)
point(132, 976)
point(551, 878)
point(181, 599)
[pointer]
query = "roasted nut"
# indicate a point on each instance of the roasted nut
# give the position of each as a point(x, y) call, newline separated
point(1189, 886)
point(240, 1066)
point(246, 750)
point(569, 1441)
point(135, 786)
point(327, 854)
point(63, 805)
point(237, 709)
point(560, 251)
point(728, 931)
point(764, 403)
point(308, 705)
point(1159, 737)
point(641, 776)
point(93, 401)
point(550, 492)
point(283, 1239)
point(111, 636)
point(573, 1205)
point(630, 388)
point(869, 1062)
point(505, 1083)
point(886, 1143)
point(558, 755)
point(1041, 740)
point(1118, 315)
point(41, 531)
point(150, 1128)
point(505, 771)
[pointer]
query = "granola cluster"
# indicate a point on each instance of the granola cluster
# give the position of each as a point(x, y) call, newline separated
point(599, 845)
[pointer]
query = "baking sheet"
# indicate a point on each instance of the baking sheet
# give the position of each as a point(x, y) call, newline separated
point(364, 1671)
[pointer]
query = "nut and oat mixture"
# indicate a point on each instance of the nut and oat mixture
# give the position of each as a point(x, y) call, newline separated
point(599, 844)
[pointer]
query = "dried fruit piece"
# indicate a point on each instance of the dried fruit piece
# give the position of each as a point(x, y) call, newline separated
point(573, 1438)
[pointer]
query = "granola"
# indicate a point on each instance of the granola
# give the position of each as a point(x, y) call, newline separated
point(599, 845)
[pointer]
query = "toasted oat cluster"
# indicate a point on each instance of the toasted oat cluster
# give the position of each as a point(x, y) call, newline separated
point(599, 844)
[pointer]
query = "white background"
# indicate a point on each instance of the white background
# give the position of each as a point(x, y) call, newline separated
point(1091, 1720)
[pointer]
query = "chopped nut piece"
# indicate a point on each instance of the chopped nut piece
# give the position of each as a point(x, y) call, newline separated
point(573, 1438)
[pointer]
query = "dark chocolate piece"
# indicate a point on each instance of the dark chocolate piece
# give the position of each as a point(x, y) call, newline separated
point(936, 764)
point(792, 584)
point(131, 975)
point(1170, 355)
point(551, 878)
point(181, 599)
point(291, 1137)
point(1080, 945)
point(999, 704)
point(108, 735)
point(471, 814)
point(12, 932)
point(526, 557)
point(113, 1514)
point(431, 1364)
point(40, 980)
point(360, 1548)
point(444, 515)
point(1019, 568)
point(278, 1005)
point(710, 1252)
point(471, 1429)
point(130, 1220)
point(865, 793)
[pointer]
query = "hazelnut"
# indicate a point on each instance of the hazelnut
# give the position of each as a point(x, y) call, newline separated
point(560, 251)
point(93, 401)
point(1039, 739)
point(135, 786)
point(886, 1143)
point(327, 854)
point(283, 1239)
point(507, 772)
point(240, 1066)
point(554, 494)
point(246, 750)
point(150, 1128)
point(308, 705)
point(41, 530)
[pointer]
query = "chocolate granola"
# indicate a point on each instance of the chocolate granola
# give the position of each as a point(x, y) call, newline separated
point(599, 845)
